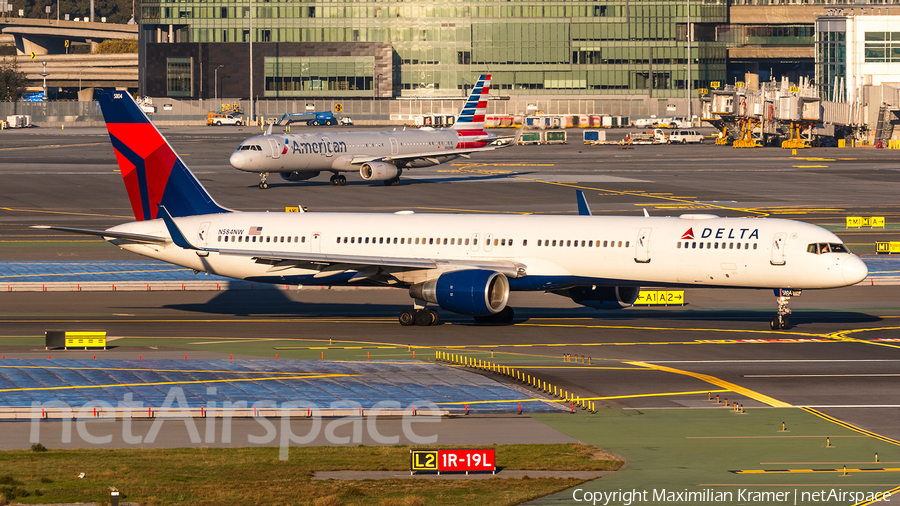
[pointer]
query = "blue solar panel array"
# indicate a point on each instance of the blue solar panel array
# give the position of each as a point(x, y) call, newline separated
point(78, 382)
point(83, 272)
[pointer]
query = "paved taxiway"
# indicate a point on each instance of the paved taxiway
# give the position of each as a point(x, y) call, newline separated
point(69, 178)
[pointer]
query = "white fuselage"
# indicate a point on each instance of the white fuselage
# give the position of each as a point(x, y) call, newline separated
point(557, 252)
point(342, 151)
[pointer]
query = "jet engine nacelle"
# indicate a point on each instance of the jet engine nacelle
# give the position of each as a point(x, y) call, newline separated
point(378, 171)
point(604, 297)
point(299, 176)
point(472, 292)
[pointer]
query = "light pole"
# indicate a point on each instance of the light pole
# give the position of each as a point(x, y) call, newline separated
point(44, 74)
point(216, 84)
point(79, 77)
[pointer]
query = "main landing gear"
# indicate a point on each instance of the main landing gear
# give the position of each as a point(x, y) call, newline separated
point(421, 317)
point(338, 180)
point(782, 319)
point(262, 180)
point(392, 182)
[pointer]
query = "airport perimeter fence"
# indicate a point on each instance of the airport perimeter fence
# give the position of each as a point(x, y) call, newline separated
point(400, 111)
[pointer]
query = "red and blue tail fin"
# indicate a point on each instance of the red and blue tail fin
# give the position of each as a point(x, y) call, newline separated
point(153, 172)
point(471, 119)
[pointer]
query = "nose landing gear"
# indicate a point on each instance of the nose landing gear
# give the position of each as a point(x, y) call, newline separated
point(262, 180)
point(782, 318)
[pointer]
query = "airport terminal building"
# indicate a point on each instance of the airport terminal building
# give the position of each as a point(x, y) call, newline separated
point(396, 49)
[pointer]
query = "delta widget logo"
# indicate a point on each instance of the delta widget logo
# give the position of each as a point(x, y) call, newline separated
point(689, 234)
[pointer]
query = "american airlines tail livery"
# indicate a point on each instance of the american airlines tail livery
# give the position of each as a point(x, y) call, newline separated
point(377, 156)
point(466, 264)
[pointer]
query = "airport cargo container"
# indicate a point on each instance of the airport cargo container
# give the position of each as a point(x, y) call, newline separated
point(594, 136)
point(555, 137)
point(530, 138)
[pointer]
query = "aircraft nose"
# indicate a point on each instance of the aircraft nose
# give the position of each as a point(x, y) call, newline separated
point(854, 270)
point(238, 160)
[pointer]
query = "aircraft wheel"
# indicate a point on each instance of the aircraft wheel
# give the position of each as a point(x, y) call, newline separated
point(407, 317)
point(341, 180)
point(435, 317)
point(334, 180)
point(392, 182)
point(786, 323)
point(775, 323)
point(424, 318)
point(263, 186)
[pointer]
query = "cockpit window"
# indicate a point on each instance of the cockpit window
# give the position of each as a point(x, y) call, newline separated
point(827, 247)
point(250, 147)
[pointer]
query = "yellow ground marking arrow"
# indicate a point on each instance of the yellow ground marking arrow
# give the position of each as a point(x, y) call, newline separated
point(746, 392)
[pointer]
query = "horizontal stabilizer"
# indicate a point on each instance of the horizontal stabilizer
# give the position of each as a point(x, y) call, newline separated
point(106, 233)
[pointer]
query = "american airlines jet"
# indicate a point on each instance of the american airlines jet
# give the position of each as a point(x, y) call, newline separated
point(377, 156)
point(466, 264)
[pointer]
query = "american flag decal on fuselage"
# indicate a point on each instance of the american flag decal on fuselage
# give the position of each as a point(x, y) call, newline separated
point(470, 122)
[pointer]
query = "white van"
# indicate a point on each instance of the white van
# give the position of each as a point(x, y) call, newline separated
point(685, 137)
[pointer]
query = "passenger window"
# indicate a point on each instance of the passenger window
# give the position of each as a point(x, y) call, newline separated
point(338, 240)
point(701, 245)
point(496, 241)
point(475, 242)
point(620, 244)
point(467, 242)
point(717, 246)
point(220, 238)
point(353, 240)
point(554, 242)
point(627, 243)
point(582, 244)
point(539, 242)
point(239, 238)
point(395, 240)
point(295, 238)
point(524, 242)
point(367, 240)
point(431, 241)
point(590, 244)
point(459, 240)
point(568, 243)
point(452, 241)
point(605, 243)
point(502, 242)
point(754, 245)
point(417, 240)
point(445, 241)
point(679, 245)
point(509, 241)
point(708, 245)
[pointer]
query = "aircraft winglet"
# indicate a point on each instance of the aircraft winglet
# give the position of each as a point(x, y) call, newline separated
point(583, 209)
point(177, 237)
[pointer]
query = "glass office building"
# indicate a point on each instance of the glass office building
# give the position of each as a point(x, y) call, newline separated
point(426, 48)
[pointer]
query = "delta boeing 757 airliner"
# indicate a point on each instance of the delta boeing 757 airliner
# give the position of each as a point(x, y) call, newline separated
point(466, 264)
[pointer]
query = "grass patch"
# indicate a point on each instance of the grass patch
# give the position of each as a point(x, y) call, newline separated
point(255, 476)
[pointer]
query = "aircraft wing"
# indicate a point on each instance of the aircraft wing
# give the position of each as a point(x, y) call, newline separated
point(415, 156)
point(509, 269)
point(152, 239)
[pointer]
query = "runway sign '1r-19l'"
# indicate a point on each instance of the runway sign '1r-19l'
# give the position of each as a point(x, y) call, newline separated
point(452, 460)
